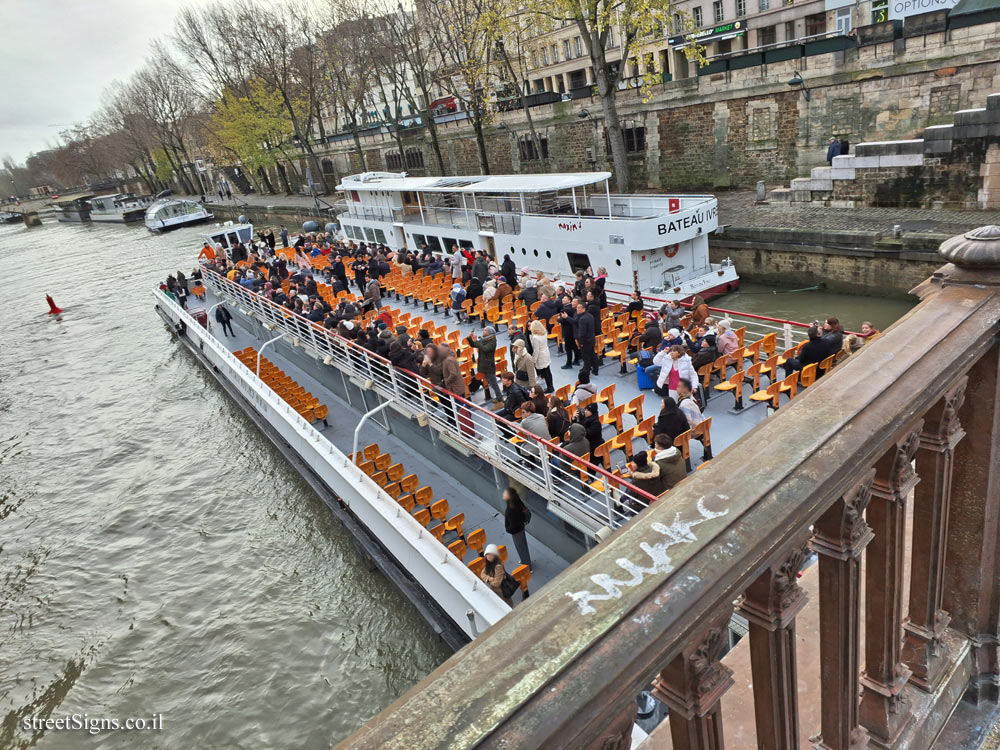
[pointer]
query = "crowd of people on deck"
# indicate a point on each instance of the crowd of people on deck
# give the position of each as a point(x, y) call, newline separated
point(524, 387)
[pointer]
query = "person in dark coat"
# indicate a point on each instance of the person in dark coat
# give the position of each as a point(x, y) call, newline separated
point(586, 337)
point(513, 396)
point(507, 269)
point(651, 336)
point(360, 268)
point(707, 353)
point(815, 350)
point(567, 319)
point(516, 516)
point(486, 346)
point(593, 429)
point(546, 309)
point(832, 150)
point(224, 317)
point(671, 420)
point(577, 444)
point(475, 290)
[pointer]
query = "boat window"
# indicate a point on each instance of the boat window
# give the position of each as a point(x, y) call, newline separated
point(433, 243)
point(548, 253)
point(220, 239)
point(578, 261)
point(419, 240)
point(467, 244)
point(618, 261)
point(536, 252)
point(449, 243)
point(245, 234)
point(369, 234)
point(380, 236)
point(523, 251)
point(234, 239)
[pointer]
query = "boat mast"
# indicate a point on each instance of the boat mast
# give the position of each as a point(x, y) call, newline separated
point(574, 202)
point(607, 191)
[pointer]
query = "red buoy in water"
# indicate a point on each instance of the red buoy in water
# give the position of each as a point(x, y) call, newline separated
point(53, 310)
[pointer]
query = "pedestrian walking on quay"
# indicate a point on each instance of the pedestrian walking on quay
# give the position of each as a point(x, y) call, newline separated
point(515, 518)
point(832, 150)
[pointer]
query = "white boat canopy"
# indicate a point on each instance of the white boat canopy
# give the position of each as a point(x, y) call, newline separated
point(479, 184)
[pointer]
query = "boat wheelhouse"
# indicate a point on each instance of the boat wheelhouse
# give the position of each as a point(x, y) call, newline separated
point(120, 208)
point(75, 209)
point(170, 213)
point(557, 224)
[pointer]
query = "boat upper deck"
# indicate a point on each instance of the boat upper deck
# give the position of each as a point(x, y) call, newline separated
point(584, 500)
point(502, 203)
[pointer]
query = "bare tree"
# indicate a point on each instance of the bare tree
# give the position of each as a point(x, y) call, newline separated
point(400, 47)
point(463, 57)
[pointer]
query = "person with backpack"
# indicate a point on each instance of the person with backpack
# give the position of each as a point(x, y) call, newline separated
point(495, 576)
point(516, 516)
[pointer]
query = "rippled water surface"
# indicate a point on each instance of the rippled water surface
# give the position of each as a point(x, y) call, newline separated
point(157, 554)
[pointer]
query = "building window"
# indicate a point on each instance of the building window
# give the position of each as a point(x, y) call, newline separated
point(880, 11)
point(718, 12)
point(545, 55)
point(393, 160)
point(527, 150)
point(566, 50)
point(414, 158)
point(763, 5)
point(555, 54)
point(635, 138)
point(816, 24)
point(789, 29)
point(766, 35)
point(578, 42)
point(741, 8)
point(611, 37)
point(696, 15)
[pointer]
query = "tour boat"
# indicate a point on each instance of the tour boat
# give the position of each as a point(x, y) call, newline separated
point(170, 213)
point(554, 223)
point(120, 208)
point(73, 209)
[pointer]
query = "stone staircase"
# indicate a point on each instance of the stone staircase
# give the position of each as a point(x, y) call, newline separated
point(853, 179)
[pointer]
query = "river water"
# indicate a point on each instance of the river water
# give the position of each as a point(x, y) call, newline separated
point(157, 555)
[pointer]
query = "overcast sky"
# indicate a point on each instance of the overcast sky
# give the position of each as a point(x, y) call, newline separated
point(58, 55)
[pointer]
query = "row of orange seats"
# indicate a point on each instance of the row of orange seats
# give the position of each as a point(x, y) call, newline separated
point(307, 405)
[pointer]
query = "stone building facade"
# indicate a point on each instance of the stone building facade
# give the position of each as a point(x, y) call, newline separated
point(734, 127)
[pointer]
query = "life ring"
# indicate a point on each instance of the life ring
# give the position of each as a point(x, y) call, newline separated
point(670, 250)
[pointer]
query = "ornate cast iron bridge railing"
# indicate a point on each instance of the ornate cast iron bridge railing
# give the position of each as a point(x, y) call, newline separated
point(913, 419)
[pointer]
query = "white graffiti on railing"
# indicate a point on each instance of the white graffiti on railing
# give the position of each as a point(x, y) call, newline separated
point(679, 532)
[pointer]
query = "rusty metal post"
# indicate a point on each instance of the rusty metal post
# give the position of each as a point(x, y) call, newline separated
point(926, 620)
point(840, 535)
point(884, 711)
point(692, 686)
point(771, 604)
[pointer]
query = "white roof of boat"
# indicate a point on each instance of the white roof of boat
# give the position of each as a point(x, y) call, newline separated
point(506, 183)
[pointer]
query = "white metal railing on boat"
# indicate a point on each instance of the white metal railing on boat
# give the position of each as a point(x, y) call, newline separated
point(451, 583)
point(583, 495)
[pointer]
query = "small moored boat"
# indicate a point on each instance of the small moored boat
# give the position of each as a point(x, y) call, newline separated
point(170, 213)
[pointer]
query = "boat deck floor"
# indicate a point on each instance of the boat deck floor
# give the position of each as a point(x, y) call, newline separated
point(343, 418)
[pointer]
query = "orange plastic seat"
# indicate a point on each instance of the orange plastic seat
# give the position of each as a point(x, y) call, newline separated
point(772, 393)
point(476, 541)
point(423, 517)
point(735, 385)
point(790, 385)
point(634, 408)
point(522, 574)
point(455, 523)
point(458, 548)
point(807, 376)
point(406, 502)
point(438, 532)
point(703, 432)
point(683, 441)
point(478, 565)
point(615, 417)
point(439, 510)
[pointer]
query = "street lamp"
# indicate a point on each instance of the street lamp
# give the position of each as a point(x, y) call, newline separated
point(796, 80)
